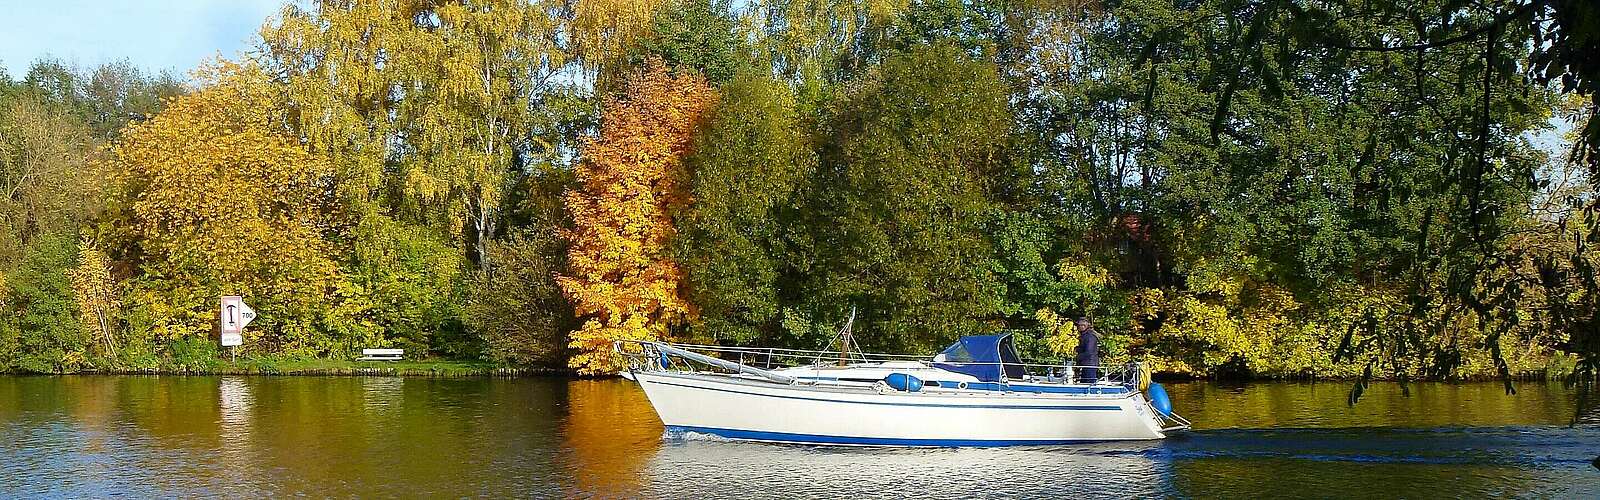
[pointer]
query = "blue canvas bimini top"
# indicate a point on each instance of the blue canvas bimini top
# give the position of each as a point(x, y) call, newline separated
point(983, 356)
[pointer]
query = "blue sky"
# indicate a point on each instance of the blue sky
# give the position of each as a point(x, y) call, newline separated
point(153, 34)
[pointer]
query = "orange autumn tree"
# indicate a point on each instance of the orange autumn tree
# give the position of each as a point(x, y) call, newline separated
point(621, 278)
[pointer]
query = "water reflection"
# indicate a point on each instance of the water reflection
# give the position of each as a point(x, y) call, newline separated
point(395, 437)
point(1285, 404)
point(717, 469)
point(1588, 412)
point(609, 431)
point(235, 402)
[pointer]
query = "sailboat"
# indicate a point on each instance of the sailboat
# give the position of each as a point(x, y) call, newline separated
point(977, 392)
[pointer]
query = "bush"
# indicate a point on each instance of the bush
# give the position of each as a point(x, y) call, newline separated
point(411, 281)
point(40, 330)
point(516, 306)
point(193, 354)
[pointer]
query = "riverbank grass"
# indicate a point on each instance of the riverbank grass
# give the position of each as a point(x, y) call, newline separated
point(436, 367)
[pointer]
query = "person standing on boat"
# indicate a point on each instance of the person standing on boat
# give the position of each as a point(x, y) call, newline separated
point(1088, 351)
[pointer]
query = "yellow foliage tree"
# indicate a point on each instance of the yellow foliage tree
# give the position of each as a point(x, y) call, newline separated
point(431, 97)
point(338, 65)
point(217, 199)
point(622, 278)
point(470, 106)
point(98, 295)
point(602, 31)
point(807, 35)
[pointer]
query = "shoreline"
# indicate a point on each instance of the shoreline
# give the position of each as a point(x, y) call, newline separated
point(470, 369)
point(330, 368)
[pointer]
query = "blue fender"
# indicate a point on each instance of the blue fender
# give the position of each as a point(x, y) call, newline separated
point(1159, 399)
point(903, 382)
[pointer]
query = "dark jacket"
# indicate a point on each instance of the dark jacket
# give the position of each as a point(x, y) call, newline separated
point(1088, 348)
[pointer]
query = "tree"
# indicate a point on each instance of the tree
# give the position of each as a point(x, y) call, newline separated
point(117, 93)
point(103, 99)
point(214, 199)
point(1566, 35)
point(904, 191)
point(411, 282)
point(749, 166)
point(700, 35)
point(620, 275)
point(7, 85)
point(469, 92)
point(1274, 183)
point(39, 330)
point(45, 173)
point(57, 84)
point(431, 113)
point(337, 68)
point(517, 306)
point(825, 38)
point(50, 183)
point(604, 32)
point(98, 294)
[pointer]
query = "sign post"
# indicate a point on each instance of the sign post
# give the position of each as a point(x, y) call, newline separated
point(234, 315)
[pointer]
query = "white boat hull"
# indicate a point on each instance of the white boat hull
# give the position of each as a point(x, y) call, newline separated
point(739, 408)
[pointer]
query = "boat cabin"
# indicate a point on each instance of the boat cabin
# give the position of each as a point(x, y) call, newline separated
point(987, 357)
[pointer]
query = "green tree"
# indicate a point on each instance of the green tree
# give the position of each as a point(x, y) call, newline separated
point(118, 93)
point(1256, 164)
point(905, 187)
point(105, 98)
point(411, 282)
point(39, 326)
point(698, 34)
point(517, 306)
point(750, 163)
point(46, 173)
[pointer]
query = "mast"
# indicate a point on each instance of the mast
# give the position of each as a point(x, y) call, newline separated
point(847, 338)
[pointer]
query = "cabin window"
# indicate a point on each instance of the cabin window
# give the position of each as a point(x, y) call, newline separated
point(958, 354)
point(1008, 358)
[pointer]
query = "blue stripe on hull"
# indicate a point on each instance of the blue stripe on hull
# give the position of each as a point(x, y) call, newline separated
point(934, 405)
point(995, 386)
point(784, 437)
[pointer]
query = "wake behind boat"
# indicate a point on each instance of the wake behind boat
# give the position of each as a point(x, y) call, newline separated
point(975, 393)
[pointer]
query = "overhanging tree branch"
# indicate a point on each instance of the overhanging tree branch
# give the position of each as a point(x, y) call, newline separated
point(1464, 37)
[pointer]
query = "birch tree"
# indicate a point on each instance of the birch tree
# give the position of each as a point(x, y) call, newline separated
point(470, 104)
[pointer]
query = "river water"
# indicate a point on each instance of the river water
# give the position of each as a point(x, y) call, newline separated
point(245, 437)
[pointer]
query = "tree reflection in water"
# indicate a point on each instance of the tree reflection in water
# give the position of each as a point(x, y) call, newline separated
point(610, 430)
point(246, 437)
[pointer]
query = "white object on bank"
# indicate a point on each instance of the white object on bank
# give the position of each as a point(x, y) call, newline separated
point(234, 315)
